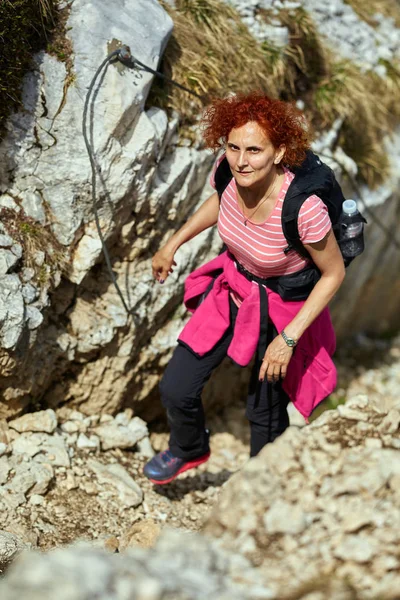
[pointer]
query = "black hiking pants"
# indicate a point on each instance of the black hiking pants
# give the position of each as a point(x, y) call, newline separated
point(181, 388)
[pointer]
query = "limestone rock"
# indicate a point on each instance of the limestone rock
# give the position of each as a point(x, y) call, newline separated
point(129, 493)
point(44, 420)
point(361, 548)
point(7, 261)
point(24, 444)
point(30, 477)
point(391, 422)
point(351, 413)
point(70, 481)
point(284, 518)
point(198, 571)
point(89, 443)
point(149, 185)
point(113, 435)
point(4, 439)
point(319, 500)
point(145, 448)
point(11, 310)
point(36, 500)
point(10, 546)
point(5, 468)
point(10, 499)
point(46, 448)
point(143, 534)
point(69, 427)
point(111, 544)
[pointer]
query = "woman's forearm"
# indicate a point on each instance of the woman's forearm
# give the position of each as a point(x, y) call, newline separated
point(328, 259)
point(319, 298)
point(206, 216)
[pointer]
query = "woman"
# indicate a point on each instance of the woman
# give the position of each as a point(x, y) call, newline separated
point(240, 314)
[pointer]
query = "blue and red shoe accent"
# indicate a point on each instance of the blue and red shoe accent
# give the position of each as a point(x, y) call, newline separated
point(164, 467)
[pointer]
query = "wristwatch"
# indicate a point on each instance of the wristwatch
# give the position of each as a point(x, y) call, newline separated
point(289, 341)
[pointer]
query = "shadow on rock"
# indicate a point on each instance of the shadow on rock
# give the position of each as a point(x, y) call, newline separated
point(177, 489)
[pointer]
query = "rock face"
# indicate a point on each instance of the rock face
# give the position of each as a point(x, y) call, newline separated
point(45, 421)
point(321, 500)
point(10, 546)
point(339, 25)
point(315, 515)
point(37, 468)
point(196, 570)
point(148, 186)
point(80, 347)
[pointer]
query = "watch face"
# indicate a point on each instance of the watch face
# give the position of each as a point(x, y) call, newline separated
point(289, 341)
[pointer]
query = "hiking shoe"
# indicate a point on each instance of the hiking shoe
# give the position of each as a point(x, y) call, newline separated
point(164, 466)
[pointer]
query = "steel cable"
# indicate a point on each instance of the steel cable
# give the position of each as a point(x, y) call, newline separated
point(94, 177)
point(130, 62)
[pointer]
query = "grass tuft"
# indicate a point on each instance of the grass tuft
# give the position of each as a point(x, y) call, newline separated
point(367, 10)
point(303, 61)
point(35, 237)
point(370, 109)
point(212, 52)
point(27, 26)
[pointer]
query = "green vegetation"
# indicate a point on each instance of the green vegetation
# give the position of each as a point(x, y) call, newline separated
point(212, 52)
point(25, 27)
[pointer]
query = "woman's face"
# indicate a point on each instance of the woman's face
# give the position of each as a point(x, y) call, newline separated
point(251, 155)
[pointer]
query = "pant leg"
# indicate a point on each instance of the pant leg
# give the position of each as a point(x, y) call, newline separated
point(266, 407)
point(181, 388)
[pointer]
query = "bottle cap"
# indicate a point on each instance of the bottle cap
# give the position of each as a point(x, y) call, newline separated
point(349, 207)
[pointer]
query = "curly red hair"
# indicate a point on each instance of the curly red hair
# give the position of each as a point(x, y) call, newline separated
point(281, 121)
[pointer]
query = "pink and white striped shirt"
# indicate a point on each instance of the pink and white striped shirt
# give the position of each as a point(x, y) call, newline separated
point(259, 246)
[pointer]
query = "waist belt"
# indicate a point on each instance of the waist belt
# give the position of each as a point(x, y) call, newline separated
point(296, 286)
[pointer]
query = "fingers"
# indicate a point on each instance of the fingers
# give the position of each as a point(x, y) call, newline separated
point(159, 273)
point(271, 372)
point(161, 270)
point(163, 274)
point(263, 370)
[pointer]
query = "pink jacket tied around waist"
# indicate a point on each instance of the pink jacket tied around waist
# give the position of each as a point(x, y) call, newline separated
point(311, 374)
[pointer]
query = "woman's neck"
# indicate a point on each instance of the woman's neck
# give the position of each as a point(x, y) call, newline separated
point(257, 193)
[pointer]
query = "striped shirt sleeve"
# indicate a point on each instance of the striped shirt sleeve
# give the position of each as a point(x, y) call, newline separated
point(313, 222)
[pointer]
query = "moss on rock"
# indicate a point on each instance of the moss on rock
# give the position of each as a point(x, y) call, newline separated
point(26, 27)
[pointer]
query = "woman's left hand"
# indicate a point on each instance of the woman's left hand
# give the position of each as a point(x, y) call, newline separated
point(276, 360)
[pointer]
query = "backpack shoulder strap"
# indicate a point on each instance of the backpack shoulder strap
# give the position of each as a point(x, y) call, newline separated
point(292, 204)
point(222, 177)
point(311, 177)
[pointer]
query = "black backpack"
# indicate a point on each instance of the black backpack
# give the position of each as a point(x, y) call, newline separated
point(311, 177)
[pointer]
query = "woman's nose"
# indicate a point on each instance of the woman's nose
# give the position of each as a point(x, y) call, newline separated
point(242, 160)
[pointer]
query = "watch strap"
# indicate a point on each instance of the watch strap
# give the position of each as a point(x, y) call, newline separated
point(288, 340)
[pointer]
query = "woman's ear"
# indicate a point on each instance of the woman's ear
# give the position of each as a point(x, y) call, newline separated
point(280, 154)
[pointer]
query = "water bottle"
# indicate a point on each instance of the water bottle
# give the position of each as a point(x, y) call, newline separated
point(352, 230)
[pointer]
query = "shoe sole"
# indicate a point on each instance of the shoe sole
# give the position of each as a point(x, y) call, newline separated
point(189, 465)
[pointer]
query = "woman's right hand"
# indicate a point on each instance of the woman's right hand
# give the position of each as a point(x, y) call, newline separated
point(162, 263)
